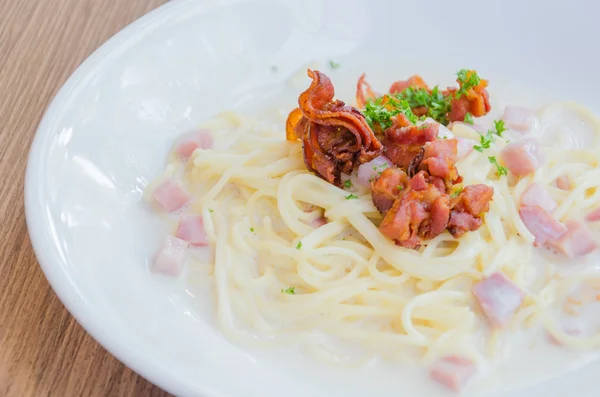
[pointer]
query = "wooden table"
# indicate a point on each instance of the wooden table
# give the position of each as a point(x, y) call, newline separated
point(43, 351)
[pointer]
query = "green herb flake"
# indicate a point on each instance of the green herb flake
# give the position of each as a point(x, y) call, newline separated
point(469, 118)
point(484, 141)
point(499, 126)
point(467, 79)
point(289, 290)
point(211, 210)
point(348, 184)
point(334, 65)
point(299, 245)
point(499, 169)
point(252, 229)
point(400, 187)
point(351, 196)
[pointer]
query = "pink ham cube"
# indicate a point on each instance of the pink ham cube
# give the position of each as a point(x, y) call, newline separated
point(541, 224)
point(519, 119)
point(191, 141)
point(535, 194)
point(170, 258)
point(522, 157)
point(453, 372)
point(171, 195)
point(564, 182)
point(577, 241)
point(191, 229)
point(593, 216)
point(499, 298)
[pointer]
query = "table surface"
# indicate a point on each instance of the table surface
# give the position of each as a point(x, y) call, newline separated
point(43, 350)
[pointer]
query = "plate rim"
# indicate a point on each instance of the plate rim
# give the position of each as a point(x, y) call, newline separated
point(45, 252)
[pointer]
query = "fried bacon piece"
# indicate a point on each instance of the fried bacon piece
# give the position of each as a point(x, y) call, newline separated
point(386, 188)
point(364, 92)
point(439, 159)
point(476, 101)
point(417, 214)
point(336, 137)
point(403, 141)
point(415, 81)
point(423, 209)
point(467, 209)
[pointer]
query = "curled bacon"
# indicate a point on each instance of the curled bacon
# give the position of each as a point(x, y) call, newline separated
point(336, 137)
point(415, 81)
point(364, 92)
point(476, 101)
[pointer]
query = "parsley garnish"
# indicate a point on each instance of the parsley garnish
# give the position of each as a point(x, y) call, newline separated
point(289, 290)
point(384, 165)
point(456, 193)
point(467, 79)
point(500, 128)
point(400, 187)
point(351, 196)
point(211, 210)
point(252, 229)
point(469, 118)
point(499, 169)
point(348, 184)
point(334, 64)
point(436, 103)
point(379, 112)
point(484, 141)
point(299, 245)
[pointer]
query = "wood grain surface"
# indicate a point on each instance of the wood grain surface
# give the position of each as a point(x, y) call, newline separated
point(43, 351)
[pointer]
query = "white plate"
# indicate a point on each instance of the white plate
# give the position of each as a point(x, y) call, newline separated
point(106, 134)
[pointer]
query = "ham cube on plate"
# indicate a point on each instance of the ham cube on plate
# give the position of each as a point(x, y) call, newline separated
point(191, 141)
point(522, 157)
point(564, 182)
point(519, 119)
point(191, 229)
point(593, 216)
point(499, 298)
point(170, 258)
point(535, 194)
point(453, 372)
point(541, 224)
point(171, 195)
point(576, 241)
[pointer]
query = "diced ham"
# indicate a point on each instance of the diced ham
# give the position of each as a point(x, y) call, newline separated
point(464, 147)
point(593, 216)
point(453, 372)
point(519, 119)
point(499, 298)
point(564, 182)
point(191, 229)
point(535, 194)
point(170, 258)
point(541, 224)
point(318, 222)
point(522, 157)
point(371, 170)
point(191, 141)
point(171, 195)
point(576, 241)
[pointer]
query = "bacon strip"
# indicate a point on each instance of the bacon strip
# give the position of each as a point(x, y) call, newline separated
point(364, 92)
point(336, 137)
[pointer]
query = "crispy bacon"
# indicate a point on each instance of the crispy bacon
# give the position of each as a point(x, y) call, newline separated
point(414, 81)
point(467, 209)
point(364, 92)
point(403, 141)
point(439, 159)
point(385, 189)
point(336, 137)
point(476, 101)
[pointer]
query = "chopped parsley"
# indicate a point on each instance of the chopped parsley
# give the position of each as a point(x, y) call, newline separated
point(400, 187)
point(351, 196)
point(384, 165)
point(299, 245)
point(469, 118)
point(252, 229)
point(467, 79)
point(436, 103)
point(500, 127)
point(499, 169)
point(334, 65)
point(289, 290)
point(211, 210)
point(456, 193)
point(348, 184)
point(484, 141)
point(379, 112)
